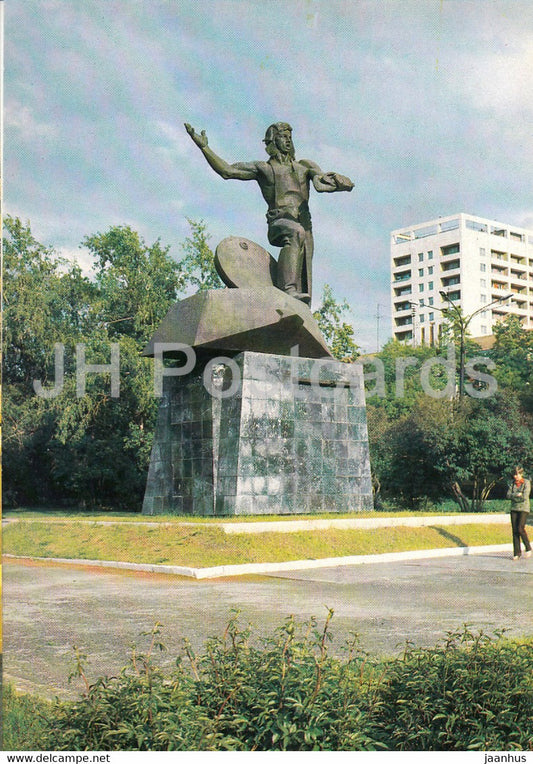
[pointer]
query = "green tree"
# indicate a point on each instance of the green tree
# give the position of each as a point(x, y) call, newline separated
point(44, 301)
point(439, 450)
point(489, 440)
point(136, 283)
point(400, 366)
point(90, 449)
point(198, 266)
point(513, 354)
point(404, 452)
point(337, 332)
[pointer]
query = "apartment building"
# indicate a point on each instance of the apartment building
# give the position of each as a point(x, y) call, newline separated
point(473, 261)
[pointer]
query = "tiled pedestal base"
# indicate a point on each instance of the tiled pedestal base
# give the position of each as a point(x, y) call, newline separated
point(288, 436)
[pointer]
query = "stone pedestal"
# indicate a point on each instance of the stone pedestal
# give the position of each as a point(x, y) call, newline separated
point(261, 434)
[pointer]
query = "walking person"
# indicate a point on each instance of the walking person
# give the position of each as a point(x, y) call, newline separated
point(518, 494)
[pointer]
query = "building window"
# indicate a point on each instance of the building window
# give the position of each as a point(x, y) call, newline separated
point(483, 329)
point(430, 255)
point(483, 299)
point(430, 270)
point(431, 316)
point(430, 286)
point(421, 318)
point(420, 257)
point(482, 251)
point(420, 272)
point(483, 267)
point(421, 303)
point(420, 287)
point(483, 282)
point(430, 300)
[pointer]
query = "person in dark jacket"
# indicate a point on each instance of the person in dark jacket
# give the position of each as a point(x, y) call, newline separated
point(518, 493)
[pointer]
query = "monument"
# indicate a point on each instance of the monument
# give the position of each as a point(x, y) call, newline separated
point(260, 419)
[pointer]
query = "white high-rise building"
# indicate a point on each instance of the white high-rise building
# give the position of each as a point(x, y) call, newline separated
point(474, 261)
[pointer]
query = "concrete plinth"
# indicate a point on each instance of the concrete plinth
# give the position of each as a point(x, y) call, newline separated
point(267, 434)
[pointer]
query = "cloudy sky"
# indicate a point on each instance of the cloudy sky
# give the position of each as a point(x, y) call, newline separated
point(426, 104)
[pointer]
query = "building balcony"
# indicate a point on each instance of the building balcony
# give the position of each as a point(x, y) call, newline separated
point(501, 270)
point(399, 262)
point(405, 276)
point(449, 281)
point(403, 306)
point(403, 291)
point(450, 265)
point(450, 249)
point(403, 335)
point(404, 321)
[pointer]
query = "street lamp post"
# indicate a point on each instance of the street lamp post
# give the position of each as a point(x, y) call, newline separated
point(463, 322)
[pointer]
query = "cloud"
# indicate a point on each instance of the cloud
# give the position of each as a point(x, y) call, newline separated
point(80, 257)
point(424, 104)
point(22, 120)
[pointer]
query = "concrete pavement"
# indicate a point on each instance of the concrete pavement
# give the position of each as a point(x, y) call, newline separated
point(48, 608)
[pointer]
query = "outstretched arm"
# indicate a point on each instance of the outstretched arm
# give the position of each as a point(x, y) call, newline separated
point(332, 181)
point(327, 181)
point(239, 171)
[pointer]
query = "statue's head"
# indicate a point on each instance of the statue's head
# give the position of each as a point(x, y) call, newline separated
point(278, 140)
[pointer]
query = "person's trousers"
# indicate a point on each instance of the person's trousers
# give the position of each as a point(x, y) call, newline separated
point(518, 524)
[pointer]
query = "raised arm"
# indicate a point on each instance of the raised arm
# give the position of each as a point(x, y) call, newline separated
point(238, 171)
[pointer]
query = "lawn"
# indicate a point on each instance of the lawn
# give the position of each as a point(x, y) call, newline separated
point(207, 545)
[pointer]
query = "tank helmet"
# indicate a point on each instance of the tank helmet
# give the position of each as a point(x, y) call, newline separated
point(275, 128)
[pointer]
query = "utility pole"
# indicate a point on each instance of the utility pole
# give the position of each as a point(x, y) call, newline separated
point(378, 316)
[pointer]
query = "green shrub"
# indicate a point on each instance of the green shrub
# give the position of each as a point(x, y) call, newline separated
point(289, 694)
point(286, 692)
point(471, 693)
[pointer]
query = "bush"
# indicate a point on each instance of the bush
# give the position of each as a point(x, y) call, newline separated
point(285, 692)
point(472, 693)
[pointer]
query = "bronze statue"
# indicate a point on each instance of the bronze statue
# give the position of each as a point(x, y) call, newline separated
point(284, 182)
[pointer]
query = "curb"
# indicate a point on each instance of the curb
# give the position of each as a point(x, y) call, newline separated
point(290, 526)
point(227, 571)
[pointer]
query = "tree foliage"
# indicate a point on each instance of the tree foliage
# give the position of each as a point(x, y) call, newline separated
point(198, 265)
point(91, 448)
point(337, 332)
point(425, 449)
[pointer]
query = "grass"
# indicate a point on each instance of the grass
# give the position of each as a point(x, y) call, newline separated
point(56, 513)
point(22, 720)
point(209, 546)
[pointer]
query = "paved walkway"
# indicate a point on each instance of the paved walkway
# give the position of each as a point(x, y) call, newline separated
point(48, 608)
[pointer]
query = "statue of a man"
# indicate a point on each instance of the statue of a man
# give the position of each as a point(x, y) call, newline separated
point(284, 183)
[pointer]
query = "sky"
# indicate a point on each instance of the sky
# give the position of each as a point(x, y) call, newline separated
point(427, 105)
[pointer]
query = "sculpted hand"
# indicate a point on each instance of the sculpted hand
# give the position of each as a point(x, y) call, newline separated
point(328, 178)
point(200, 140)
